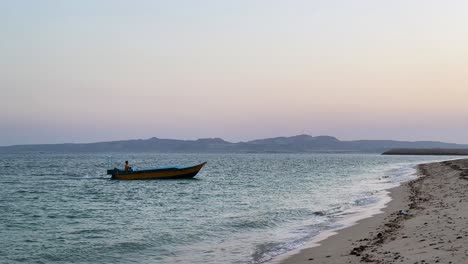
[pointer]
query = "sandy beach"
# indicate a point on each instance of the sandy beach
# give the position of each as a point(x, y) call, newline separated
point(426, 222)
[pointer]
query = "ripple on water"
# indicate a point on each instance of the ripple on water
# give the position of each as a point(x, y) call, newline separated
point(62, 208)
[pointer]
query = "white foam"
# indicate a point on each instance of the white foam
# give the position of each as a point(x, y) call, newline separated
point(351, 216)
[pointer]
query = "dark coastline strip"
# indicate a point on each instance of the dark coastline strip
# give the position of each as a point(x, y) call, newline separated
point(413, 151)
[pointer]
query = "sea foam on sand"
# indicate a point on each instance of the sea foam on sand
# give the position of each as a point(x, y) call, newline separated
point(425, 222)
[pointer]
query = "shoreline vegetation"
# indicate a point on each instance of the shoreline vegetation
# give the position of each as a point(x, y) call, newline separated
point(425, 222)
point(436, 151)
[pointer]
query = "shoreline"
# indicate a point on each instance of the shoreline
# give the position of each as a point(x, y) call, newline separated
point(394, 235)
point(351, 220)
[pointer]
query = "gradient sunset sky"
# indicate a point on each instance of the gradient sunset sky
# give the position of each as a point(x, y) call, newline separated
point(86, 71)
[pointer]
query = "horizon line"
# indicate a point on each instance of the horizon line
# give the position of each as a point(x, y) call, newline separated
point(195, 139)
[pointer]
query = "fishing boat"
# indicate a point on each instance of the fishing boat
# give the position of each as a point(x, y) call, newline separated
point(169, 172)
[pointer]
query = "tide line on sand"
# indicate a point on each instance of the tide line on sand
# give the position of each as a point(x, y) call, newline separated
point(425, 222)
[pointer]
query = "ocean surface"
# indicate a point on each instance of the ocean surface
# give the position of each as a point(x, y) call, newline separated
point(241, 208)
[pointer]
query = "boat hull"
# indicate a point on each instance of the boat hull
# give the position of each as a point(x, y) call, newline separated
point(158, 173)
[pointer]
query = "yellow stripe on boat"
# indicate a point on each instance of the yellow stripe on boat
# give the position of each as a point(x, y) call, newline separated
point(157, 173)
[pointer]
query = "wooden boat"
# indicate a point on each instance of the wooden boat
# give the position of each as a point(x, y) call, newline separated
point(170, 172)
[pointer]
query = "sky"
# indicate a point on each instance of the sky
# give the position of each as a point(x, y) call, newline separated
point(88, 71)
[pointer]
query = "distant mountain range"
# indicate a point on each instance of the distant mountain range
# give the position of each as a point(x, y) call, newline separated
point(294, 144)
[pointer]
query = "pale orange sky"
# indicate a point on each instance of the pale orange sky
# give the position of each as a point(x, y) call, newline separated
point(91, 71)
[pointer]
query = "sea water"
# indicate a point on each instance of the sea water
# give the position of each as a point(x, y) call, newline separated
point(241, 208)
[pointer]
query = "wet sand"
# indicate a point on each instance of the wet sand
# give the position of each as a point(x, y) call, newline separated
point(426, 222)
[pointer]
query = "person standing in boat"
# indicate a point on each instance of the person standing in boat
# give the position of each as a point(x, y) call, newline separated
point(127, 167)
